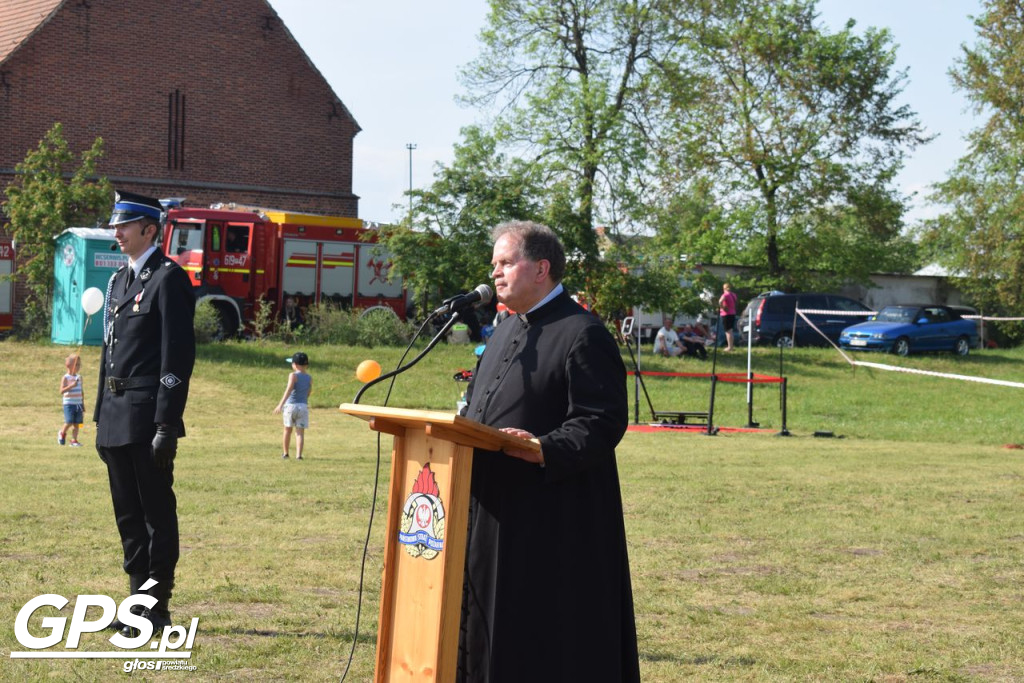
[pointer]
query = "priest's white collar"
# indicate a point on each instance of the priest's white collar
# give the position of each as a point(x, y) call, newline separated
point(551, 295)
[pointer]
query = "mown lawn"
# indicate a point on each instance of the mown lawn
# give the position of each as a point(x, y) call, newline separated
point(892, 553)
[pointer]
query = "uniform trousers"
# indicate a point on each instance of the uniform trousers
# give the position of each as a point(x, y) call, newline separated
point(145, 509)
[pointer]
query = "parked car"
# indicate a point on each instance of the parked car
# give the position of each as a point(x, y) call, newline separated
point(775, 320)
point(910, 328)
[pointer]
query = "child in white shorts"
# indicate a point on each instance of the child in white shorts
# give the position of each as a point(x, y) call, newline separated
point(294, 404)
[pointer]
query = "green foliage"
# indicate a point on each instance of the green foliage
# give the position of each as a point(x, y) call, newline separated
point(564, 77)
point(381, 327)
point(785, 139)
point(979, 236)
point(41, 203)
point(448, 247)
point(738, 132)
point(264, 323)
point(206, 322)
point(330, 324)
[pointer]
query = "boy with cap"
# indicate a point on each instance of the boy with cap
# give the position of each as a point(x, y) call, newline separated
point(146, 363)
point(295, 404)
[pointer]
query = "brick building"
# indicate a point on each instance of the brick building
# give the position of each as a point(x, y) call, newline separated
point(212, 100)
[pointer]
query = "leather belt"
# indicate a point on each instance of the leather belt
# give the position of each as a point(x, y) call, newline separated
point(118, 385)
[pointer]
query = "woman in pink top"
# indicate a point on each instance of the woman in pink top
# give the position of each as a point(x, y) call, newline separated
point(727, 313)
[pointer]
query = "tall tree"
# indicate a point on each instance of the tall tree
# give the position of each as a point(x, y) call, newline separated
point(447, 246)
point(564, 76)
point(795, 132)
point(447, 249)
point(981, 235)
point(45, 198)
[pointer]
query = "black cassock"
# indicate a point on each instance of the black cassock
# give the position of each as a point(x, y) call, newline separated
point(547, 594)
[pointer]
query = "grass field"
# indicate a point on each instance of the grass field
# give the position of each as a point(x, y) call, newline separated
point(891, 554)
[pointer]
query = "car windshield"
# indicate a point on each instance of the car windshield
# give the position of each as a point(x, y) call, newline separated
point(896, 314)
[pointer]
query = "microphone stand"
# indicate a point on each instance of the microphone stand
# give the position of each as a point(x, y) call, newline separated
point(414, 361)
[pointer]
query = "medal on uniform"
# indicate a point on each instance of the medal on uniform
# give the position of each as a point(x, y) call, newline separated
point(138, 298)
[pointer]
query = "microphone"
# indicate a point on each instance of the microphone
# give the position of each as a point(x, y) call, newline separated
point(481, 295)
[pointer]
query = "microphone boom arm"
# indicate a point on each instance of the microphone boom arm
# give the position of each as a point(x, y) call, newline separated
point(397, 371)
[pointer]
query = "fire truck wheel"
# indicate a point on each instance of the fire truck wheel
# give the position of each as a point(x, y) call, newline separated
point(227, 322)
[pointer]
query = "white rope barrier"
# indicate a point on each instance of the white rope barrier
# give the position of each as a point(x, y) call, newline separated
point(912, 371)
point(818, 311)
point(945, 375)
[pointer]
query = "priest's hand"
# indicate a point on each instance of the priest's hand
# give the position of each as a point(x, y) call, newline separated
point(523, 453)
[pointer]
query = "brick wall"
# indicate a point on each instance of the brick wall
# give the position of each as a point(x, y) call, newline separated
point(213, 100)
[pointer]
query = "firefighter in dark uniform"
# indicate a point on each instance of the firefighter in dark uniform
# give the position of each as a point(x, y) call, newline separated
point(148, 353)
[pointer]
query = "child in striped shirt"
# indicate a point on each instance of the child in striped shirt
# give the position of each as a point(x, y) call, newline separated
point(74, 400)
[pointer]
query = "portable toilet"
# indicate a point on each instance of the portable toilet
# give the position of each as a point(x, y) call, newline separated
point(85, 257)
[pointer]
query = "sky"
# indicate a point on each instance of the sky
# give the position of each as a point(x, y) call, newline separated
point(395, 65)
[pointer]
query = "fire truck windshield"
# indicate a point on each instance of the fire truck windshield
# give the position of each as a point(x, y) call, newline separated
point(187, 237)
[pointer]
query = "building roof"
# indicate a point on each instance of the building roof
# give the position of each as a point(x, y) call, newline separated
point(19, 19)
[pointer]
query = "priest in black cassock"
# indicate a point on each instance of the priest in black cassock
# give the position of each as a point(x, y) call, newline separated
point(547, 594)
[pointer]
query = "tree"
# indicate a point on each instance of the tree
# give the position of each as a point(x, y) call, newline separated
point(42, 201)
point(447, 249)
point(565, 75)
point(981, 236)
point(792, 132)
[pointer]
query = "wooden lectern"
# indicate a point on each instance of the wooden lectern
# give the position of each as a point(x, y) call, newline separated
point(425, 537)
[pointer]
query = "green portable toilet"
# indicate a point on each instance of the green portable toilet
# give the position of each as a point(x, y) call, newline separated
point(86, 257)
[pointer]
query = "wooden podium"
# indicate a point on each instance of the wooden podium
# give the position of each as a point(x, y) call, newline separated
point(425, 537)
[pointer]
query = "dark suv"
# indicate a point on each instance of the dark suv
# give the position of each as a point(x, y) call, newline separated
point(775, 319)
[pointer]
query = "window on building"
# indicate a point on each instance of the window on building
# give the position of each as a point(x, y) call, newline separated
point(176, 131)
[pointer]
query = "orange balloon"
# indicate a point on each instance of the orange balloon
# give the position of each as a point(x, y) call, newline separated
point(368, 371)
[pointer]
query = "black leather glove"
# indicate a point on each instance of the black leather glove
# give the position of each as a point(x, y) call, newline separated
point(165, 446)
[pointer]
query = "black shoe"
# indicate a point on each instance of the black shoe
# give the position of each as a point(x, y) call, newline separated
point(124, 628)
point(160, 618)
point(156, 616)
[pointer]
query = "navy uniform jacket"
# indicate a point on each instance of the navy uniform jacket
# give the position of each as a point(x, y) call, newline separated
point(148, 338)
point(547, 594)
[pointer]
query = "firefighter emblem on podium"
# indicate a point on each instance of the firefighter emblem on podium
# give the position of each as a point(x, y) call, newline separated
point(422, 531)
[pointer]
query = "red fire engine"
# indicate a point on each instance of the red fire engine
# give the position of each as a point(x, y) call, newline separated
point(236, 255)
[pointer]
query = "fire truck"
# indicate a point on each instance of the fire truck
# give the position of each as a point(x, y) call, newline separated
point(236, 255)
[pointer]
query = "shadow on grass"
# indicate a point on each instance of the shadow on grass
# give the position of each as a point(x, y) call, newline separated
point(243, 353)
point(697, 660)
point(364, 638)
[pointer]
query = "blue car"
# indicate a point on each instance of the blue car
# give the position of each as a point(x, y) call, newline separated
point(905, 329)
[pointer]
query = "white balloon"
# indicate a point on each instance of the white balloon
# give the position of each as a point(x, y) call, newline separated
point(92, 300)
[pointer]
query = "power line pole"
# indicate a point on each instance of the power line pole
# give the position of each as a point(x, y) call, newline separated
point(410, 146)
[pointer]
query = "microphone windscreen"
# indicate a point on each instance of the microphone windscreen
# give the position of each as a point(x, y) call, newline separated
point(486, 294)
